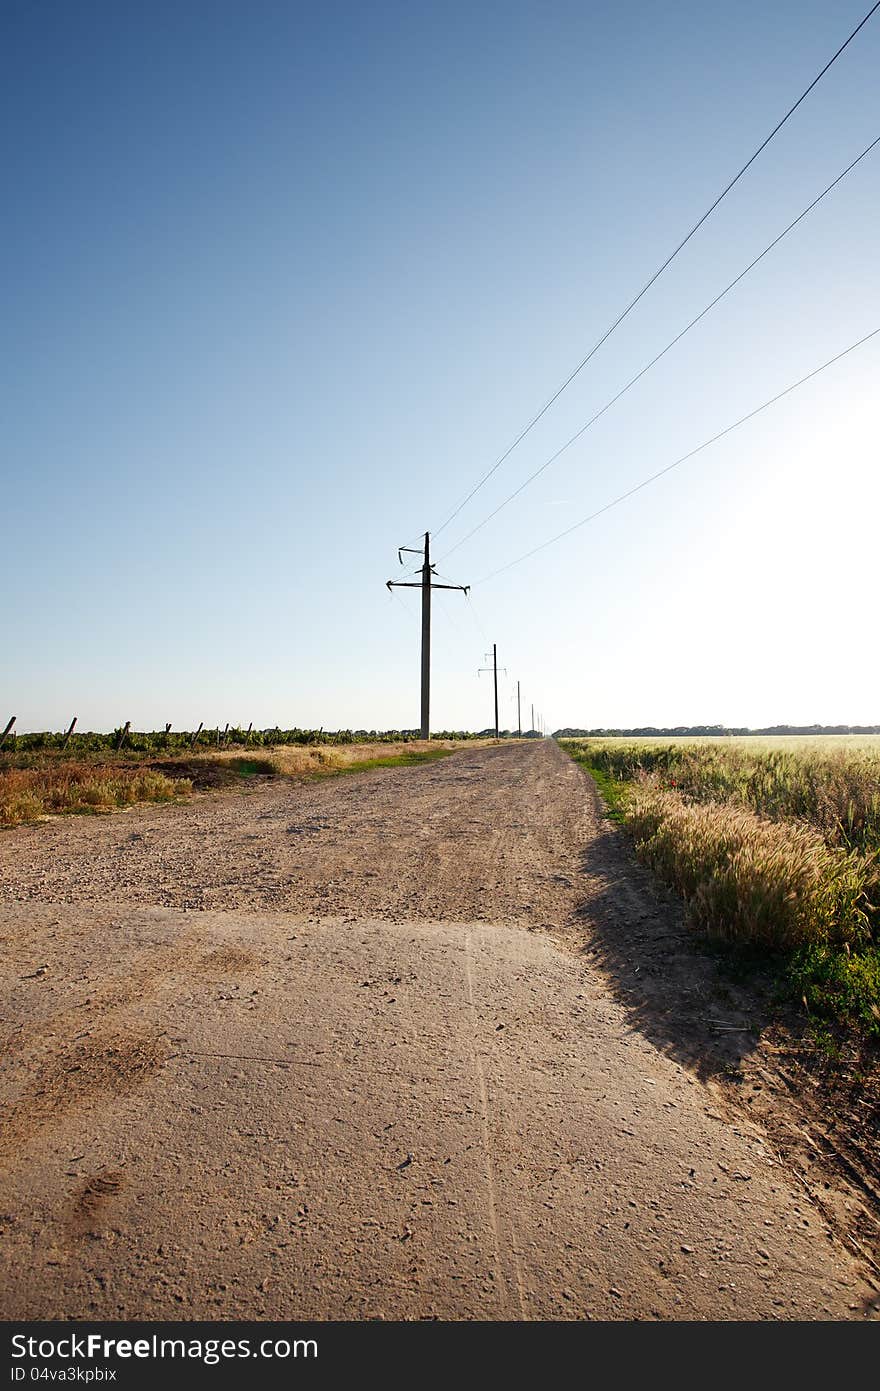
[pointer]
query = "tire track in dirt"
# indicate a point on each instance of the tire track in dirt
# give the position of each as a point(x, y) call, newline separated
point(491, 1186)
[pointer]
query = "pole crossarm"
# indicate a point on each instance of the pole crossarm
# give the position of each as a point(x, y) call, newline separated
point(417, 584)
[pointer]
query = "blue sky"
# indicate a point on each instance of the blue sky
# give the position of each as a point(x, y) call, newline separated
point(281, 283)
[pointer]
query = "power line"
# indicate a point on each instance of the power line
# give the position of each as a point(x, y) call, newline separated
point(410, 612)
point(671, 344)
point(683, 459)
point(473, 614)
point(669, 259)
point(454, 626)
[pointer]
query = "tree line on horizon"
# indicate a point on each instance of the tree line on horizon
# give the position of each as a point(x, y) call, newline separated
point(650, 731)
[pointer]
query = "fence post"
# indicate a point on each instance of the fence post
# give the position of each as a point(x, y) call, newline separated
point(7, 730)
point(196, 735)
point(68, 734)
point(123, 735)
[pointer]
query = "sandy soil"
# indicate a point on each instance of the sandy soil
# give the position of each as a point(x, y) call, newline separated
point(412, 1043)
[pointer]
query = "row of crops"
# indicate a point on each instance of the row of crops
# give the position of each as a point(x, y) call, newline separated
point(184, 741)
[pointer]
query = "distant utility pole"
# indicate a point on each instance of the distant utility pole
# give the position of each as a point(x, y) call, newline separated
point(494, 669)
point(533, 717)
point(518, 714)
point(426, 584)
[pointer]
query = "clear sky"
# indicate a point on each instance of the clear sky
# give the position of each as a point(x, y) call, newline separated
point(282, 281)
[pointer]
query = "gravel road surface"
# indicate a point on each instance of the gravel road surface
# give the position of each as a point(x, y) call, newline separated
point(365, 1048)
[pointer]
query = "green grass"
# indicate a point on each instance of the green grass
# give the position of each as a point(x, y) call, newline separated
point(614, 792)
point(249, 767)
point(843, 987)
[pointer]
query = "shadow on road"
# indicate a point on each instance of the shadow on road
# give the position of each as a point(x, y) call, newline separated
point(676, 992)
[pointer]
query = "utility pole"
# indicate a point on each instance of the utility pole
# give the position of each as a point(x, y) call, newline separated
point(533, 717)
point(425, 584)
point(494, 669)
point(518, 714)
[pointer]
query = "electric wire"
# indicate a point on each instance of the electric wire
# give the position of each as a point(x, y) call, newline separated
point(654, 360)
point(410, 613)
point(669, 259)
point(683, 458)
point(473, 613)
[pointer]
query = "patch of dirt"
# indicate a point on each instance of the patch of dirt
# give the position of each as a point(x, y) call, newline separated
point(208, 775)
point(92, 1198)
point(75, 1072)
point(230, 959)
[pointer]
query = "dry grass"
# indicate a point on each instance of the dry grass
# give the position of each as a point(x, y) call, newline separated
point(775, 845)
point(758, 743)
point(833, 787)
point(293, 760)
point(749, 879)
point(54, 785)
point(26, 794)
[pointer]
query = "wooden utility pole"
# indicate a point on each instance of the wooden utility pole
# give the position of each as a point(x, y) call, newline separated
point(494, 669)
point(426, 643)
point(425, 584)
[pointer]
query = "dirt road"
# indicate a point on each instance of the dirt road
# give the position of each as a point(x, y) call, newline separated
point(369, 1048)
